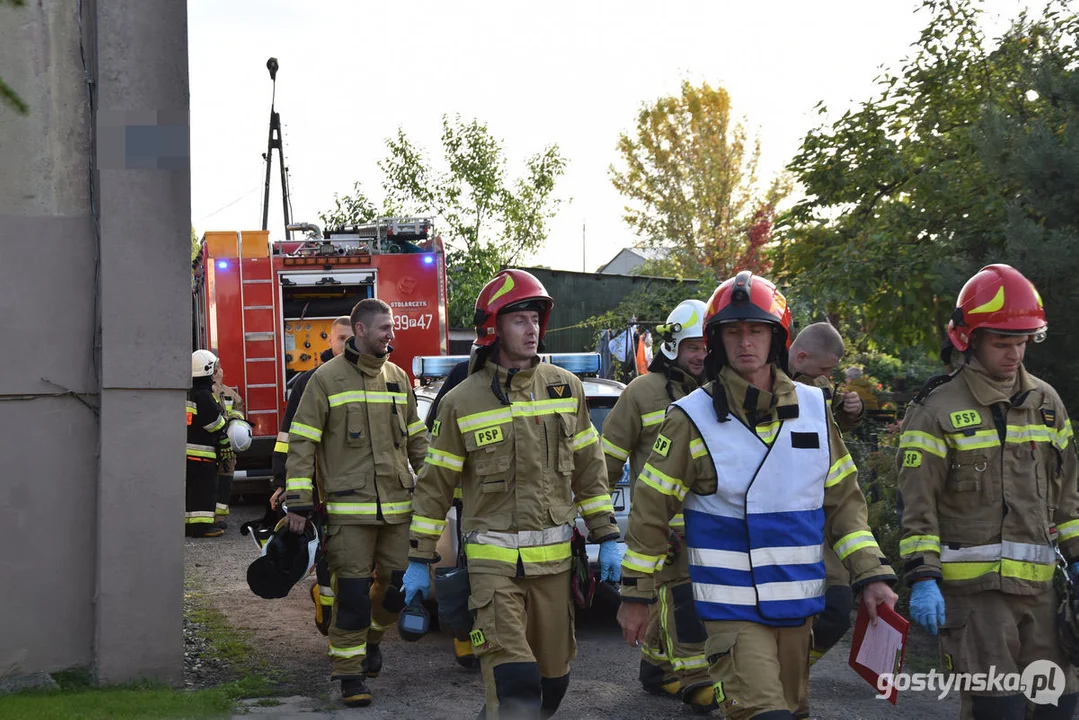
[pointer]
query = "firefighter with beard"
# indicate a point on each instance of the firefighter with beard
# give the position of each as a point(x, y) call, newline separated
point(765, 482)
point(672, 654)
point(516, 435)
point(357, 419)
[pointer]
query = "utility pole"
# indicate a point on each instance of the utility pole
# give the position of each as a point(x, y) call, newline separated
point(584, 249)
point(275, 142)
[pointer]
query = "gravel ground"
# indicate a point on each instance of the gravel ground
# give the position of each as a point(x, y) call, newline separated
point(421, 679)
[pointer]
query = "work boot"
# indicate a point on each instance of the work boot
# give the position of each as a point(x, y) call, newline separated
point(212, 533)
point(701, 699)
point(354, 692)
point(372, 663)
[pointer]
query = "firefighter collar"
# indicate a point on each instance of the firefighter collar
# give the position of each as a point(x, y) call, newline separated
point(989, 392)
point(370, 365)
point(677, 375)
point(513, 379)
point(746, 399)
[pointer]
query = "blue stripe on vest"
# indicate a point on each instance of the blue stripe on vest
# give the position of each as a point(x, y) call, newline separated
point(716, 532)
point(787, 529)
point(744, 613)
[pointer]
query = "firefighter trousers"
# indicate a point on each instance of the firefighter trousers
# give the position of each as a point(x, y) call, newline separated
point(363, 608)
point(524, 637)
point(991, 629)
point(200, 488)
point(759, 668)
point(224, 493)
point(832, 624)
point(674, 639)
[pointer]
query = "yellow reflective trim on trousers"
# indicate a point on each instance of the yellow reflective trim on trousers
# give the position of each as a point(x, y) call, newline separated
point(348, 652)
point(841, 469)
point(325, 600)
point(652, 654)
point(697, 449)
point(642, 563)
point(1034, 572)
point(614, 451)
point(305, 431)
point(427, 526)
point(653, 418)
point(853, 542)
point(1067, 530)
point(980, 440)
point(918, 544)
point(416, 428)
point(665, 484)
point(678, 522)
point(923, 441)
point(585, 438)
point(280, 447)
point(443, 459)
point(595, 505)
point(299, 484)
point(373, 397)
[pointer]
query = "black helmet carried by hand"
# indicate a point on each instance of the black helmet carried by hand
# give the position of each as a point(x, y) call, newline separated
point(286, 559)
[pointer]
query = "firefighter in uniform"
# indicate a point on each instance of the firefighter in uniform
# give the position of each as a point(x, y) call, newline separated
point(814, 354)
point(988, 481)
point(205, 432)
point(517, 436)
point(672, 654)
point(357, 419)
point(322, 590)
point(230, 400)
point(765, 482)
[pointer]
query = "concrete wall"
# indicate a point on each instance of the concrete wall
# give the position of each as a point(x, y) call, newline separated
point(95, 287)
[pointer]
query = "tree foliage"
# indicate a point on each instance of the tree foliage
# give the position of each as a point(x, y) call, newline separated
point(8, 96)
point(966, 156)
point(690, 175)
point(489, 220)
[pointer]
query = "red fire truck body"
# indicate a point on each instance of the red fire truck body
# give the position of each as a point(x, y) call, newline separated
point(266, 309)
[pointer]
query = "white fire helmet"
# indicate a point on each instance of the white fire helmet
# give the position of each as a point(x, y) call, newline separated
point(239, 433)
point(203, 363)
point(686, 322)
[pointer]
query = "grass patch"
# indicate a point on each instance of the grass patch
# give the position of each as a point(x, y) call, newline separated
point(118, 703)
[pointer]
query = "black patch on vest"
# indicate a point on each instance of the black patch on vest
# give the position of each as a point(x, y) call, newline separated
point(559, 391)
point(805, 440)
point(393, 387)
point(787, 412)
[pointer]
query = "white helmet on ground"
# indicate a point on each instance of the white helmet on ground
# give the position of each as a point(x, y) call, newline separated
point(686, 322)
point(203, 363)
point(239, 433)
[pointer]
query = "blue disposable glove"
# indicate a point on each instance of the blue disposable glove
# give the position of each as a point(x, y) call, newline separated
point(1073, 571)
point(927, 605)
point(610, 561)
point(417, 580)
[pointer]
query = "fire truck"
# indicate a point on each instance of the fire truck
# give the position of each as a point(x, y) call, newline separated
point(265, 308)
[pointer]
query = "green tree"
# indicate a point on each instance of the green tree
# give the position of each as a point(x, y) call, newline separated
point(909, 193)
point(7, 93)
point(690, 175)
point(354, 209)
point(489, 220)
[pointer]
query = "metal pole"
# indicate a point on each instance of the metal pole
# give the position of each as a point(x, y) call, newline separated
point(272, 66)
point(584, 249)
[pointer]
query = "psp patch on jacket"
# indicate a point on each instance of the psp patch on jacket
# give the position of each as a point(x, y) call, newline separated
point(559, 391)
point(965, 418)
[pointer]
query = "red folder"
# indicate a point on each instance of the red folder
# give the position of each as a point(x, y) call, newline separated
point(892, 618)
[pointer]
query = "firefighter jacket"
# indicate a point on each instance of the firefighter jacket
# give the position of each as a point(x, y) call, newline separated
point(846, 421)
point(205, 421)
point(523, 447)
point(734, 556)
point(230, 400)
point(280, 448)
point(988, 484)
point(630, 430)
point(357, 419)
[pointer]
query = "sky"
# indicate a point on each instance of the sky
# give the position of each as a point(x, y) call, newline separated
point(572, 73)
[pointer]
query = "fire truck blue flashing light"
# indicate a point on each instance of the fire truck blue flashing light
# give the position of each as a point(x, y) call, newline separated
point(222, 264)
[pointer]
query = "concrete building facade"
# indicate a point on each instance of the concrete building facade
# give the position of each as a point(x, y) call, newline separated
point(95, 286)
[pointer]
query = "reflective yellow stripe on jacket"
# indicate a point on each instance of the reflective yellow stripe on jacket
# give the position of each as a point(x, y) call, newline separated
point(535, 548)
